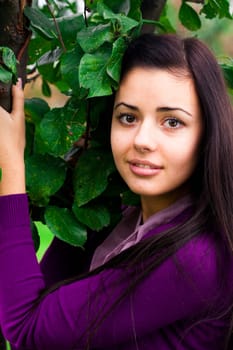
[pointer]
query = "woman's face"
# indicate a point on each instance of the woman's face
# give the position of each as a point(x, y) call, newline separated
point(155, 135)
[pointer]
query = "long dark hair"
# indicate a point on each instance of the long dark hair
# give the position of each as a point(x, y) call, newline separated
point(212, 181)
point(213, 178)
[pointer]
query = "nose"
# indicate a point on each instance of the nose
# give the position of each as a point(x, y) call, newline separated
point(146, 139)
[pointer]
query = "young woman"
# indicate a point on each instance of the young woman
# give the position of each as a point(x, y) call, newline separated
point(163, 279)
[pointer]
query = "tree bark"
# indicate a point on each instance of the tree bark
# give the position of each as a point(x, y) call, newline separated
point(14, 33)
point(151, 9)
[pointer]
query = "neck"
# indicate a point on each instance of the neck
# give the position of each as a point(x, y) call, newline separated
point(153, 204)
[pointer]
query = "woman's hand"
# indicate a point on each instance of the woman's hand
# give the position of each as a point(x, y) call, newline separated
point(12, 144)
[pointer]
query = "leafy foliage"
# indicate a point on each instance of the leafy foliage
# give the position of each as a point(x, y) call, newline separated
point(8, 65)
point(217, 8)
point(189, 17)
point(71, 178)
point(68, 160)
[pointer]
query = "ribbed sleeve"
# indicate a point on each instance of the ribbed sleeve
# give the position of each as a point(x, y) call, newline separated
point(14, 211)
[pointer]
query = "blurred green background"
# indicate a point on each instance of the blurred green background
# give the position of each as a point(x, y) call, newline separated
point(45, 238)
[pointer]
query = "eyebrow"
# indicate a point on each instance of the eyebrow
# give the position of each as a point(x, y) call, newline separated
point(159, 109)
point(168, 109)
point(126, 105)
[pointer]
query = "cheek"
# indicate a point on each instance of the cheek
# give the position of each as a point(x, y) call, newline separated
point(119, 141)
point(113, 141)
point(185, 160)
point(187, 148)
point(116, 146)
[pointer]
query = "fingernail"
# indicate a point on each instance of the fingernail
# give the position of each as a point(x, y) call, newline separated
point(19, 83)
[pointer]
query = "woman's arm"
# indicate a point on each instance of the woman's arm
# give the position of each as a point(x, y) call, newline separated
point(12, 144)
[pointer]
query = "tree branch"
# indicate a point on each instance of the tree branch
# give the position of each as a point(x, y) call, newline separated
point(151, 10)
point(56, 26)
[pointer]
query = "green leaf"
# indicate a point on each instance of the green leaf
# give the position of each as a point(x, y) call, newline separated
point(189, 18)
point(9, 59)
point(8, 65)
point(95, 216)
point(93, 75)
point(35, 109)
point(70, 68)
point(69, 27)
point(135, 10)
point(228, 74)
point(114, 64)
point(45, 175)
point(92, 37)
point(46, 89)
point(5, 75)
point(165, 21)
point(122, 6)
point(65, 226)
point(91, 175)
point(61, 127)
point(40, 22)
point(50, 72)
point(216, 8)
point(30, 130)
point(114, 5)
point(125, 23)
point(37, 47)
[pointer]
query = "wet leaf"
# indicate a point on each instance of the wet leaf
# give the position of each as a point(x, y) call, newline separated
point(65, 226)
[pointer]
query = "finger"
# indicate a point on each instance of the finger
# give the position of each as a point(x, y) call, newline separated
point(17, 98)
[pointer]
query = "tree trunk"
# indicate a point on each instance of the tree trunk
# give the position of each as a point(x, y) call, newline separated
point(151, 9)
point(14, 34)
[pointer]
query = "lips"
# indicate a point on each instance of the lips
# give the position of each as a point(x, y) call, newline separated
point(144, 168)
point(144, 164)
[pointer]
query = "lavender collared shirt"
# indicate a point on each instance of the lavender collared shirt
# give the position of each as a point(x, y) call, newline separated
point(130, 230)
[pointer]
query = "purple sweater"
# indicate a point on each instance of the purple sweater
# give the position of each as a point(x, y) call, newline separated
point(159, 314)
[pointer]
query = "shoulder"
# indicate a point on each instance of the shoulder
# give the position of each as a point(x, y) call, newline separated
point(200, 250)
point(205, 263)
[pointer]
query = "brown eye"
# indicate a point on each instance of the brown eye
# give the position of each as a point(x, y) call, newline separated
point(173, 123)
point(127, 119)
